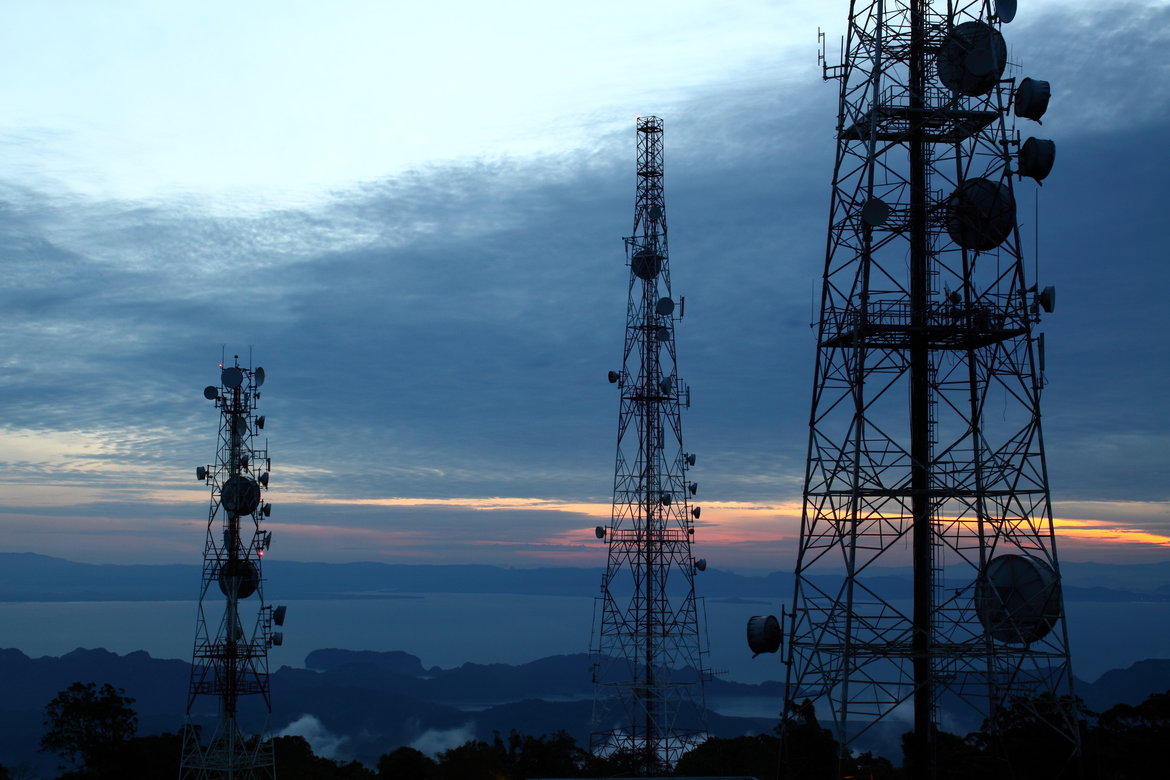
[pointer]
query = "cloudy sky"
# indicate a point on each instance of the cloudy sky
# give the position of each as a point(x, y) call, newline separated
point(411, 215)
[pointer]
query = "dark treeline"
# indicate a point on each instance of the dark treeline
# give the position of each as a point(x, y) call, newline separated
point(93, 731)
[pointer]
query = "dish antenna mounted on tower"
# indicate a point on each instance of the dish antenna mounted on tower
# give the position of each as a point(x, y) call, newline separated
point(230, 660)
point(649, 639)
point(925, 445)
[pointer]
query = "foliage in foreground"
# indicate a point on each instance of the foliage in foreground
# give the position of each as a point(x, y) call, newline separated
point(93, 728)
point(87, 726)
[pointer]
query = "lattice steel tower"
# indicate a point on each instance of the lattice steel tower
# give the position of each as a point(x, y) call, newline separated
point(230, 659)
point(925, 444)
point(649, 636)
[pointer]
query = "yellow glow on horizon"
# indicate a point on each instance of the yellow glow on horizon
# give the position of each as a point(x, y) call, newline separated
point(1099, 531)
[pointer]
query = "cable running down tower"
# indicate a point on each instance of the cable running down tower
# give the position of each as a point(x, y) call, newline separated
point(230, 658)
point(925, 445)
point(649, 637)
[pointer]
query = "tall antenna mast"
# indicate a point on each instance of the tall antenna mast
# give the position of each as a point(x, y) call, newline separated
point(649, 638)
point(925, 444)
point(230, 658)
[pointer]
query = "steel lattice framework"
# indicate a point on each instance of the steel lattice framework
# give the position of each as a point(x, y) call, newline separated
point(230, 658)
point(649, 638)
point(925, 444)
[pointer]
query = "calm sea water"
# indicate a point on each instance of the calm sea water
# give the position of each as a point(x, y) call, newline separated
point(449, 629)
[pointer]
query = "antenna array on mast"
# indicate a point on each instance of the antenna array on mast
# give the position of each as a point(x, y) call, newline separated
point(230, 659)
point(925, 445)
point(649, 639)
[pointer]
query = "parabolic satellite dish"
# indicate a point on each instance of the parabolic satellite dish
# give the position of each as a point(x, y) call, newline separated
point(646, 263)
point(1017, 599)
point(1032, 98)
point(232, 377)
point(665, 307)
point(763, 634)
point(1005, 10)
point(240, 495)
point(980, 214)
point(211, 392)
point(241, 573)
point(259, 375)
point(972, 58)
point(875, 212)
point(1036, 158)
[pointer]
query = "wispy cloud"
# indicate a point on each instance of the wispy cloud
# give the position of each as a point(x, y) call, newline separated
point(440, 337)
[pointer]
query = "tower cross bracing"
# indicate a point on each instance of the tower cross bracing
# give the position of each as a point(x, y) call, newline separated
point(649, 639)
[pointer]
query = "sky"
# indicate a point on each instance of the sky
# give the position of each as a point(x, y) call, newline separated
point(411, 216)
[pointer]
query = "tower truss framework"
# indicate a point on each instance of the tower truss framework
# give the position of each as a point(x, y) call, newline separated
point(234, 628)
point(649, 637)
point(925, 444)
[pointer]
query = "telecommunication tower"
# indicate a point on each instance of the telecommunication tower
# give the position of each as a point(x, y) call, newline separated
point(925, 445)
point(230, 658)
point(649, 637)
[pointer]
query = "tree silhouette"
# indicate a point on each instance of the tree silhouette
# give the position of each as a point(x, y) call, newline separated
point(543, 756)
point(1023, 738)
point(807, 749)
point(87, 725)
point(473, 760)
point(406, 763)
point(1130, 740)
point(295, 760)
point(756, 756)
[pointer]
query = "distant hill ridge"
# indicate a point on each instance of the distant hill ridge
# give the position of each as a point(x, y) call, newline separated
point(380, 700)
point(32, 577)
point(377, 700)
